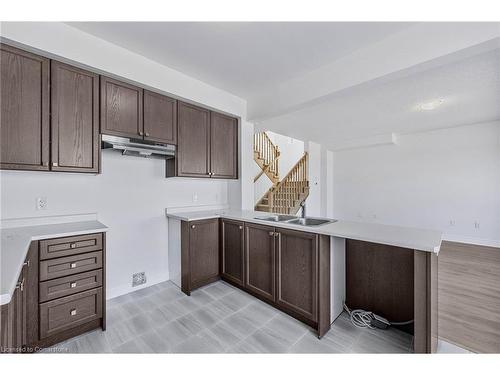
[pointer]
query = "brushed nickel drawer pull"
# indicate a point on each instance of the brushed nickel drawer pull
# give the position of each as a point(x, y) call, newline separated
point(73, 245)
point(73, 312)
point(72, 265)
point(27, 263)
point(271, 233)
point(55, 164)
point(241, 227)
point(193, 226)
point(20, 285)
point(72, 285)
point(147, 134)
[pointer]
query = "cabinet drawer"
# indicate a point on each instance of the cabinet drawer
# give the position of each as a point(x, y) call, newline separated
point(64, 286)
point(68, 312)
point(61, 247)
point(59, 267)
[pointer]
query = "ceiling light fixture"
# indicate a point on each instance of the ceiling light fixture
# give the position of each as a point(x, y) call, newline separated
point(429, 106)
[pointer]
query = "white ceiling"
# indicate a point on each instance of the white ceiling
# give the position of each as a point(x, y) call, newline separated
point(243, 58)
point(470, 89)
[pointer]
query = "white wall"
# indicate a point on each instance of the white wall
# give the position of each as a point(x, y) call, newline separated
point(444, 179)
point(130, 197)
point(314, 201)
point(291, 150)
point(131, 193)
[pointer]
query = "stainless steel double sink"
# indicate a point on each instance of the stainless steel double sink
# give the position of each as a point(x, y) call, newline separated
point(302, 221)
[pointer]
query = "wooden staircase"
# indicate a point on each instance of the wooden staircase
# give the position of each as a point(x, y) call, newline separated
point(286, 196)
point(266, 154)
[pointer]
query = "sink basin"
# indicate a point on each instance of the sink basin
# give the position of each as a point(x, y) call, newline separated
point(309, 221)
point(277, 218)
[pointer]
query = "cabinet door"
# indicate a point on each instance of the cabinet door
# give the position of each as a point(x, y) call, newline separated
point(297, 284)
point(223, 146)
point(160, 118)
point(121, 109)
point(203, 252)
point(260, 260)
point(232, 250)
point(193, 141)
point(75, 119)
point(24, 114)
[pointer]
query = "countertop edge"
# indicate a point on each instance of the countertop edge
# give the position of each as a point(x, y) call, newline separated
point(317, 230)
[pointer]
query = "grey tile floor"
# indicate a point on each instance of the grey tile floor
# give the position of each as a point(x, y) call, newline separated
point(219, 319)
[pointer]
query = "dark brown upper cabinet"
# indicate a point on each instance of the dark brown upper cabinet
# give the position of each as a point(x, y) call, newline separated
point(75, 119)
point(160, 118)
point(193, 142)
point(223, 146)
point(232, 251)
point(207, 144)
point(121, 109)
point(297, 272)
point(260, 260)
point(24, 116)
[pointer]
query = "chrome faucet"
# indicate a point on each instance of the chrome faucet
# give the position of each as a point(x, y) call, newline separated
point(303, 213)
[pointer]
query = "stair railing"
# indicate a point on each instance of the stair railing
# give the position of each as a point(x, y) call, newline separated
point(268, 152)
point(285, 194)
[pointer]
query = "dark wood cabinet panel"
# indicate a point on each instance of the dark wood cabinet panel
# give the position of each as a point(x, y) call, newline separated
point(260, 262)
point(121, 109)
point(223, 146)
point(24, 115)
point(160, 118)
point(68, 312)
point(199, 253)
point(232, 254)
point(64, 246)
point(193, 142)
point(75, 119)
point(379, 278)
point(297, 281)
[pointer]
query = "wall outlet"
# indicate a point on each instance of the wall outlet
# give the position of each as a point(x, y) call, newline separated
point(452, 223)
point(41, 203)
point(476, 224)
point(195, 198)
point(138, 278)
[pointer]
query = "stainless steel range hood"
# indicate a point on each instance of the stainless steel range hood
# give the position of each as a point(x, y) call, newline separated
point(135, 147)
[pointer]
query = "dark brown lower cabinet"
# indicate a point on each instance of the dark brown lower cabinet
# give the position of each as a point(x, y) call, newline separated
point(297, 278)
point(199, 253)
point(70, 302)
point(232, 251)
point(260, 260)
point(15, 315)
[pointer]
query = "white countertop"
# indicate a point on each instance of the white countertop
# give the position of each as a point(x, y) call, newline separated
point(411, 238)
point(15, 243)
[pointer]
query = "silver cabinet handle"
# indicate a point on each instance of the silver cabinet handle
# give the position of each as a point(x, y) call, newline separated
point(72, 312)
point(276, 234)
point(72, 285)
point(27, 263)
point(55, 164)
point(147, 134)
point(72, 245)
point(72, 265)
point(271, 233)
point(20, 285)
point(141, 133)
point(241, 227)
point(193, 226)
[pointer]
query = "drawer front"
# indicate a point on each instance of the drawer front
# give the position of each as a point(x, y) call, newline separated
point(59, 267)
point(61, 247)
point(64, 286)
point(69, 312)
